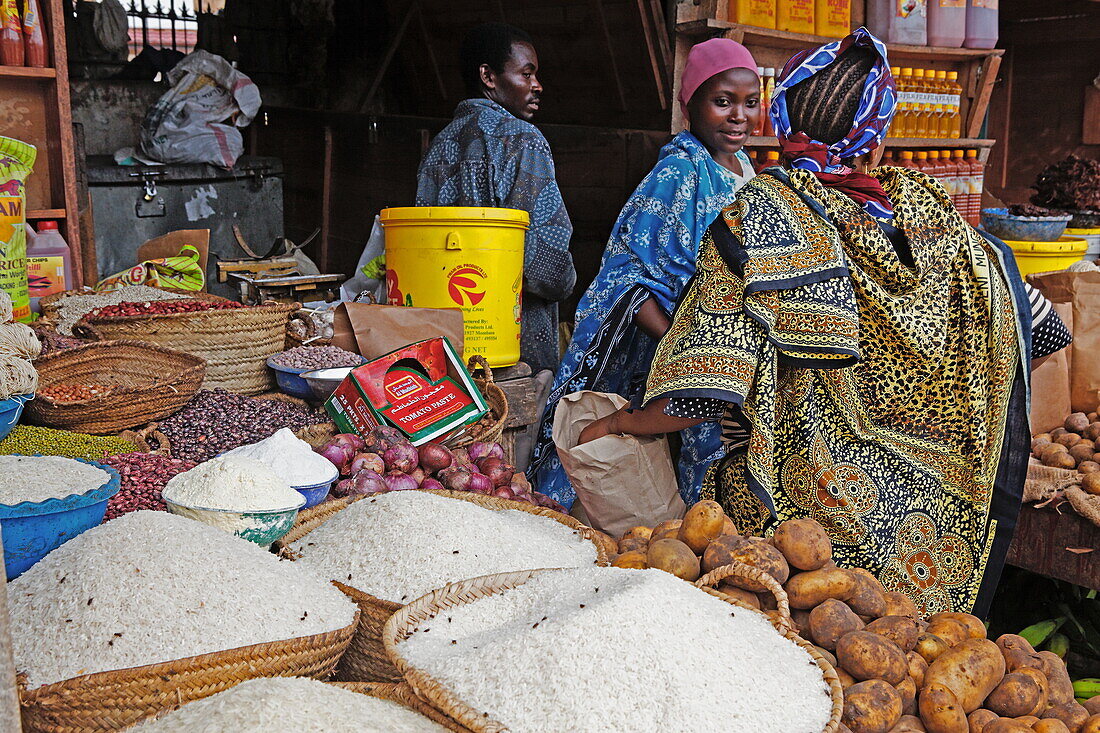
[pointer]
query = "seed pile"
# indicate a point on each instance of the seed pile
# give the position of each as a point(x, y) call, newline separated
point(316, 357)
point(687, 660)
point(400, 545)
point(37, 478)
point(29, 439)
point(215, 421)
point(152, 587)
point(291, 704)
point(143, 476)
point(72, 308)
point(160, 307)
point(74, 392)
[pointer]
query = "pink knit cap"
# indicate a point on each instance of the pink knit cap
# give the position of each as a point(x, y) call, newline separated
point(709, 58)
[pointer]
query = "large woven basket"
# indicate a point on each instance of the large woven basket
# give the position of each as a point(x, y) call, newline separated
point(108, 701)
point(402, 694)
point(148, 382)
point(366, 659)
point(435, 693)
point(50, 306)
point(489, 428)
point(235, 342)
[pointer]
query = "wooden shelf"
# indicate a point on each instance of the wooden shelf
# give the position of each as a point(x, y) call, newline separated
point(786, 39)
point(931, 143)
point(27, 72)
point(36, 214)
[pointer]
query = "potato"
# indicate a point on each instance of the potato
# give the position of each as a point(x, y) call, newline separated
point(673, 556)
point(1078, 422)
point(930, 646)
point(948, 629)
point(971, 670)
point(669, 528)
point(972, 623)
point(768, 603)
point(635, 560)
point(940, 711)
point(749, 599)
point(869, 656)
point(1017, 659)
point(639, 532)
point(801, 620)
point(1050, 450)
point(1092, 416)
point(1016, 695)
point(1042, 683)
point(1089, 466)
point(630, 544)
point(720, 551)
point(1053, 725)
point(1006, 725)
point(832, 620)
point(901, 630)
point(702, 523)
point(978, 719)
point(1083, 451)
point(762, 556)
point(804, 543)
point(1069, 439)
point(868, 598)
point(846, 680)
point(1060, 460)
point(871, 707)
point(1072, 713)
point(1092, 432)
point(1092, 705)
point(828, 656)
point(899, 604)
point(1060, 690)
point(808, 590)
point(1045, 437)
point(728, 527)
point(1091, 724)
point(1057, 433)
point(907, 688)
point(1037, 445)
point(1091, 484)
point(1028, 720)
point(908, 724)
point(606, 542)
point(917, 667)
point(1014, 641)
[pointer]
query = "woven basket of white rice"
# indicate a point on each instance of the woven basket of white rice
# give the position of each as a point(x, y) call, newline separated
point(385, 550)
point(608, 649)
point(152, 610)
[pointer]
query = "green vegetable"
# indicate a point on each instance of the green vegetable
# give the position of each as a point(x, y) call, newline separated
point(31, 440)
point(1036, 634)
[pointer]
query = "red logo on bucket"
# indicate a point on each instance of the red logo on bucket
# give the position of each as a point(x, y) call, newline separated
point(465, 284)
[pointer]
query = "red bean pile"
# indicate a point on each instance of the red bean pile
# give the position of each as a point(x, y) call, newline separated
point(143, 476)
point(160, 307)
point(73, 392)
point(215, 421)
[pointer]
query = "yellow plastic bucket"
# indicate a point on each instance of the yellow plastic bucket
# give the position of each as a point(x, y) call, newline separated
point(469, 257)
point(1034, 257)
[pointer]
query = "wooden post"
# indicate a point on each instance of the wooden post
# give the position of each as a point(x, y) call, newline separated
point(597, 6)
point(9, 694)
point(326, 201)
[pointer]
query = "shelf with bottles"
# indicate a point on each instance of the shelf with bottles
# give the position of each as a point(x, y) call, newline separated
point(759, 141)
point(28, 72)
point(40, 214)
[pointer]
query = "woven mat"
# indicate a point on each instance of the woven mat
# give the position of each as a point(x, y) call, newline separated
point(1045, 483)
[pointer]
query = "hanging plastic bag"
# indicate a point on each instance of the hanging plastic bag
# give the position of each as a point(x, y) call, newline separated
point(197, 121)
point(370, 271)
point(182, 272)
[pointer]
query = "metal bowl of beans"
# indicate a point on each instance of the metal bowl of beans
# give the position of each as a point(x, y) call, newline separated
point(323, 382)
point(290, 365)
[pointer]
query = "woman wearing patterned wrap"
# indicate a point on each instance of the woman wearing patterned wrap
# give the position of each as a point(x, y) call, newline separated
point(869, 349)
point(651, 254)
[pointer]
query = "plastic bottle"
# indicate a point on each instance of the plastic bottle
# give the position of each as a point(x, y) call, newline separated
point(922, 162)
point(772, 159)
point(954, 116)
point(759, 129)
point(766, 101)
point(903, 121)
point(919, 126)
point(962, 181)
point(34, 36)
point(981, 23)
point(796, 16)
point(906, 161)
point(11, 34)
point(898, 21)
point(950, 178)
point(976, 184)
point(935, 167)
point(49, 263)
point(832, 18)
point(938, 128)
point(758, 13)
point(946, 23)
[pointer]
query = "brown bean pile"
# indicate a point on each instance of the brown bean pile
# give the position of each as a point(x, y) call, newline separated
point(160, 307)
point(316, 357)
point(143, 476)
point(73, 392)
point(215, 421)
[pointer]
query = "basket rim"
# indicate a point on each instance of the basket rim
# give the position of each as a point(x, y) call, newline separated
point(270, 305)
point(64, 503)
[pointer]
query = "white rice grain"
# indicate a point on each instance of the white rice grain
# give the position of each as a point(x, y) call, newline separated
point(609, 649)
point(400, 545)
point(37, 478)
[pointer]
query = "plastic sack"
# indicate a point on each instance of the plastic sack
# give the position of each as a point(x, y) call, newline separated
point(197, 121)
point(182, 272)
point(370, 271)
point(16, 163)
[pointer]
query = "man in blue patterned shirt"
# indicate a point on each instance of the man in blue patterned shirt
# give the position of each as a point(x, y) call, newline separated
point(491, 155)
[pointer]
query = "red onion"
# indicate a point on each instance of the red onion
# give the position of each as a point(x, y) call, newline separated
point(434, 457)
point(455, 478)
point(339, 455)
point(480, 450)
point(546, 501)
point(418, 475)
point(430, 484)
point(502, 492)
point(343, 487)
point(371, 461)
point(369, 482)
point(398, 481)
point(351, 440)
point(401, 457)
point(462, 458)
point(382, 437)
point(520, 479)
point(480, 483)
point(499, 472)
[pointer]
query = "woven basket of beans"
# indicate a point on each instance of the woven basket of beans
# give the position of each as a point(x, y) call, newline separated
point(105, 387)
point(51, 303)
point(366, 660)
point(235, 342)
point(489, 428)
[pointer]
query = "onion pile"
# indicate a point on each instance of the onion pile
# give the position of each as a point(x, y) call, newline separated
point(384, 460)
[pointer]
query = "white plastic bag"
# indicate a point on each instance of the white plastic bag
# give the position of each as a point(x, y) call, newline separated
point(197, 121)
point(370, 271)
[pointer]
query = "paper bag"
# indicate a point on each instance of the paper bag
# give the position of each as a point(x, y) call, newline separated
point(1050, 396)
point(376, 330)
point(1082, 291)
point(621, 481)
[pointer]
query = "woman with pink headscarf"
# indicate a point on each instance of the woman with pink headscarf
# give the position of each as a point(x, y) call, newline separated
point(651, 254)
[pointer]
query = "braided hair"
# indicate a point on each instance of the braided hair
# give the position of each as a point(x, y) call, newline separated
point(490, 43)
point(824, 106)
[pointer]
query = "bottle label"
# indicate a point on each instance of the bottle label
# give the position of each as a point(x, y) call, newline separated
point(905, 8)
point(974, 184)
point(990, 4)
point(952, 3)
point(45, 276)
point(30, 18)
point(950, 184)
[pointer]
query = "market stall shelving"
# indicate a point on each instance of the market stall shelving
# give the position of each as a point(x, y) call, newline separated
point(1049, 542)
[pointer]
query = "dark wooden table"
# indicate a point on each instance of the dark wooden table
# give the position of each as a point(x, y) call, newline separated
point(1041, 541)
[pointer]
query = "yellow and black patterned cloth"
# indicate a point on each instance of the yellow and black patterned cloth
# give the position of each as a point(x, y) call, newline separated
point(884, 394)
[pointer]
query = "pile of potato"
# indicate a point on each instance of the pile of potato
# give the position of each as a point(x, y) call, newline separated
point(900, 672)
point(1075, 445)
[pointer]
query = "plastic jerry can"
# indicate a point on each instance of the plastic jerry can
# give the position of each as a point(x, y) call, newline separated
point(898, 21)
point(946, 23)
point(49, 263)
point(832, 18)
point(758, 13)
point(981, 23)
point(796, 16)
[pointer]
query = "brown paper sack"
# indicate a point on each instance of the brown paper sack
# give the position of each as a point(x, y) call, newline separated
point(1082, 291)
point(376, 330)
point(1050, 396)
point(621, 481)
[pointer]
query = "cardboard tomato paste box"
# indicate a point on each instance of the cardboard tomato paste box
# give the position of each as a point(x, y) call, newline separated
point(421, 389)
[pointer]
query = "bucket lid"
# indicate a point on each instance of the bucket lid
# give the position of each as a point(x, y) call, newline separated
point(451, 214)
point(1083, 231)
point(1063, 246)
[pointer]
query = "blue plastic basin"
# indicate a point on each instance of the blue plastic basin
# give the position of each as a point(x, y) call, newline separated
point(1003, 225)
point(315, 494)
point(290, 381)
point(31, 529)
point(10, 410)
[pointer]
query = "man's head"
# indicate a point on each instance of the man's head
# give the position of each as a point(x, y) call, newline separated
point(499, 63)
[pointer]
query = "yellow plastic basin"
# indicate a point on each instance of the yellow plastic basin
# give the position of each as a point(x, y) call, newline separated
point(1034, 257)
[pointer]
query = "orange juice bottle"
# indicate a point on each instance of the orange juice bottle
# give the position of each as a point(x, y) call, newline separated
point(766, 100)
point(832, 18)
point(758, 13)
point(954, 115)
point(938, 127)
point(796, 16)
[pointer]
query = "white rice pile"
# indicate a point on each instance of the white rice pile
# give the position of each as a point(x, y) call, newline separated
point(644, 652)
point(72, 308)
point(232, 482)
point(400, 545)
point(152, 587)
point(290, 704)
point(37, 478)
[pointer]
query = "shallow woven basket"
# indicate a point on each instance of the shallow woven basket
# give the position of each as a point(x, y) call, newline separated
point(50, 307)
point(432, 691)
point(148, 382)
point(108, 701)
point(366, 660)
point(235, 342)
point(491, 427)
point(403, 695)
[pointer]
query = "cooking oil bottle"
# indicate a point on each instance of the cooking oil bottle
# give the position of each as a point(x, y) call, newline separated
point(954, 116)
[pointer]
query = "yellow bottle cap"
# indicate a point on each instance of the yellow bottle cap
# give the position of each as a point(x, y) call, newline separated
point(922, 155)
point(907, 155)
point(895, 70)
point(934, 154)
point(941, 75)
point(952, 76)
point(906, 71)
point(957, 154)
point(773, 155)
point(918, 73)
point(945, 153)
point(972, 153)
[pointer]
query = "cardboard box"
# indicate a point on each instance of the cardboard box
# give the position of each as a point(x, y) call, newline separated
point(421, 389)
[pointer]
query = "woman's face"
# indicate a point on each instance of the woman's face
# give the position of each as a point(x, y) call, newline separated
point(724, 110)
